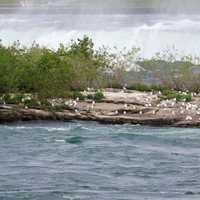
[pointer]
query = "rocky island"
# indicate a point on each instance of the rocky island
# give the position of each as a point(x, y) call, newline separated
point(117, 107)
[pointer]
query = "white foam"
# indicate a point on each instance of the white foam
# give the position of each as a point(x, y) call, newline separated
point(151, 38)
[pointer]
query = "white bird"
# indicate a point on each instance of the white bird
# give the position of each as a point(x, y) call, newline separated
point(188, 118)
point(74, 103)
point(197, 112)
point(76, 111)
point(66, 103)
point(141, 112)
point(125, 106)
point(173, 104)
point(124, 112)
point(116, 112)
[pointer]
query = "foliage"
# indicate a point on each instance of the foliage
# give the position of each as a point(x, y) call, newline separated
point(140, 87)
point(97, 96)
point(77, 94)
point(50, 73)
point(179, 96)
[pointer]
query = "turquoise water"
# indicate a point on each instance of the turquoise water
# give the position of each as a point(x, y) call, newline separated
point(84, 160)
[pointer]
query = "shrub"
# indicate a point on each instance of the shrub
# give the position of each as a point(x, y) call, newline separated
point(172, 94)
point(12, 98)
point(140, 87)
point(98, 96)
point(33, 102)
point(78, 94)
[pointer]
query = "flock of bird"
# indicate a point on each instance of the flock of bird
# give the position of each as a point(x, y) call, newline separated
point(184, 108)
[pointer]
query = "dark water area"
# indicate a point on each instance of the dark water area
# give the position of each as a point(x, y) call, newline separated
point(84, 160)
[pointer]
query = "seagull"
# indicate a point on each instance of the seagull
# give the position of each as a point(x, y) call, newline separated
point(74, 103)
point(116, 112)
point(188, 118)
point(124, 112)
point(141, 112)
point(76, 111)
point(125, 106)
point(124, 89)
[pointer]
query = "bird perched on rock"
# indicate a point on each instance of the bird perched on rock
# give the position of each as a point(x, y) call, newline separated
point(188, 118)
point(74, 103)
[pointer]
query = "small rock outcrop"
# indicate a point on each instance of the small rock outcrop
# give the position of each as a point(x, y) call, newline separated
point(116, 108)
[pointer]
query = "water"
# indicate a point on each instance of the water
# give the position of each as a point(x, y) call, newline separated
point(150, 26)
point(84, 160)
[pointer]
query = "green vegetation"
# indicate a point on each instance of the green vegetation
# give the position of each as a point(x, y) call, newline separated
point(97, 96)
point(50, 73)
point(180, 97)
point(45, 73)
point(77, 94)
point(140, 87)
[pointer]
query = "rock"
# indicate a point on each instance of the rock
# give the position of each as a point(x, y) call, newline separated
point(136, 111)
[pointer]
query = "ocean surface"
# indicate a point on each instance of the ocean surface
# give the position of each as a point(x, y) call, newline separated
point(113, 23)
point(87, 160)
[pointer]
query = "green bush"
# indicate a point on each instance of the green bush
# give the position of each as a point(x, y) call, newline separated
point(12, 98)
point(50, 73)
point(97, 96)
point(172, 94)
point(32, 103)
point(140, 87)
point(78, 94)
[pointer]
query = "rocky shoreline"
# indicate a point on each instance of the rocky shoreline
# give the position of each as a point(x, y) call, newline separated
point(119, 107)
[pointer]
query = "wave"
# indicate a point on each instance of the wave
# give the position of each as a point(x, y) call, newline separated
point(151, 38)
